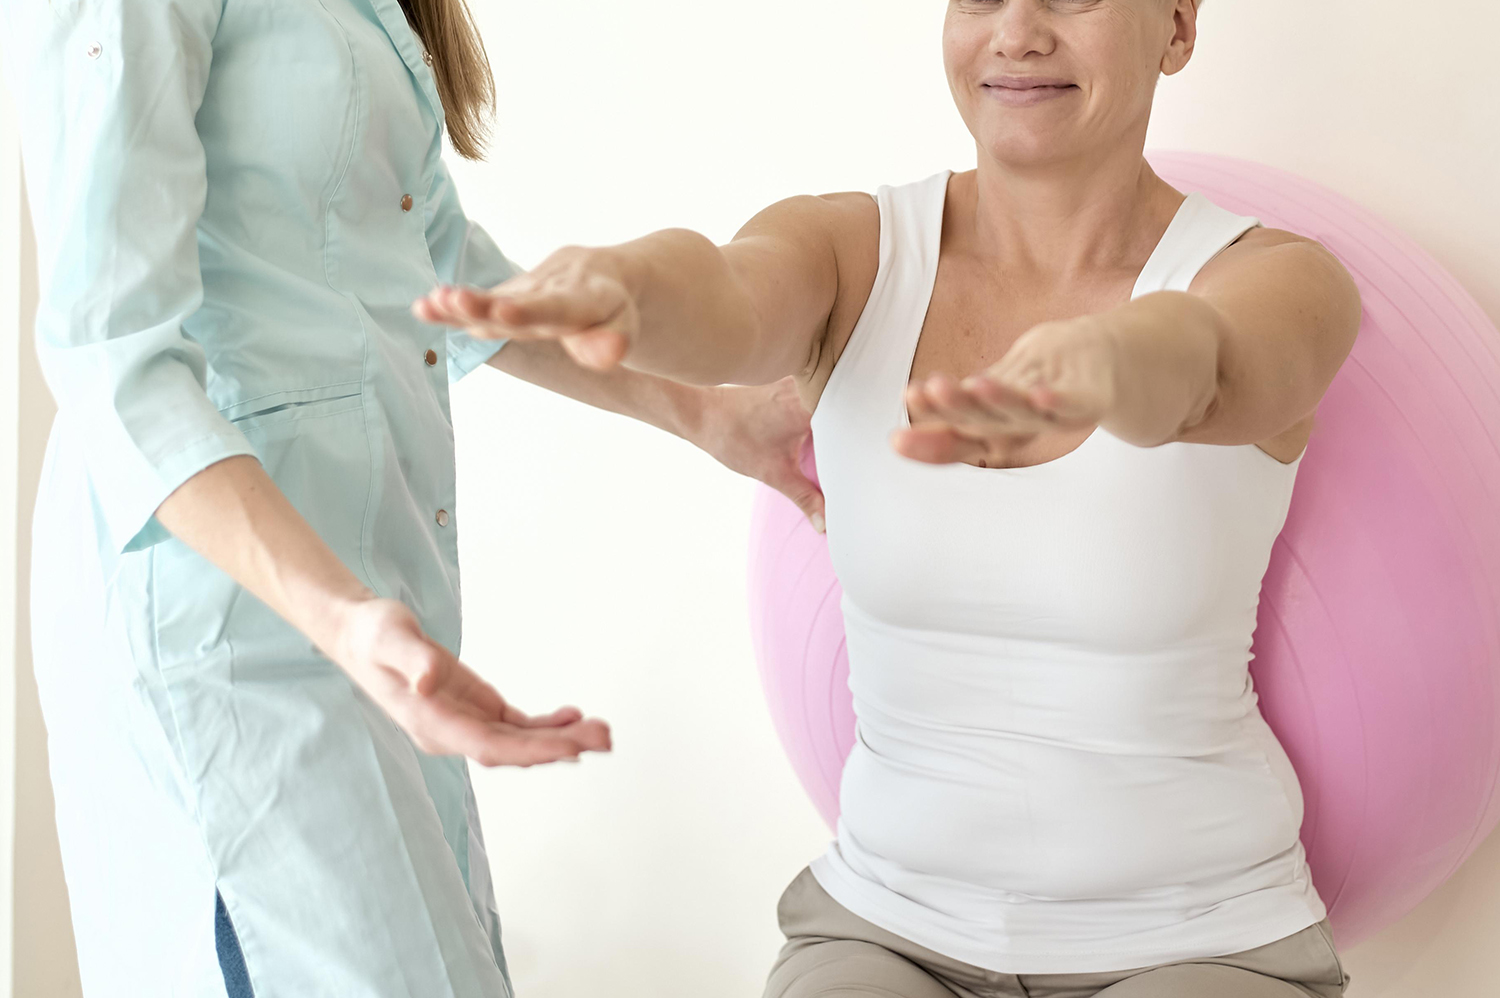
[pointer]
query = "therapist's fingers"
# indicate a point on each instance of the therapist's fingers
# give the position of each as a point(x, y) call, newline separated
point(560, 718)
point(440, 730)
point(463, 687)
point(466, 716)
point(501, 744)
point(458, 721)
point(591, 733)
point(467, 687)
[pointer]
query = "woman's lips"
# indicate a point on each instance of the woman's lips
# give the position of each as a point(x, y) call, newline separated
point(1025, 93)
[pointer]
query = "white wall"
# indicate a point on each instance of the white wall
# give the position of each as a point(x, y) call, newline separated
point(10, 334)
point(45, 961)
point(37, 959)
point(604, 563)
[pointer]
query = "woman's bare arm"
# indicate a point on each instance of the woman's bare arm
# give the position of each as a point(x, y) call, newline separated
point(758, 432)
point(1287, 316)
point(675, 305)
point(1244, 357)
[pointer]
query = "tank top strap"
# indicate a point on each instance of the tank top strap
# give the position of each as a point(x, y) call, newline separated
point(1200, 231)
point(875, 365)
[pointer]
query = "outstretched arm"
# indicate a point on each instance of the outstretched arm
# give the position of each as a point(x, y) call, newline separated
point(1244, 357)
point(757, 432)
point(675, 305)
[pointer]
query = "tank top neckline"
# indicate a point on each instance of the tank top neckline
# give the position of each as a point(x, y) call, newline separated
point(1175, 228)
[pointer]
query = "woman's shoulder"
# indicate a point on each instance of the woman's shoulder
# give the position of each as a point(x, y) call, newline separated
point(844, 226)
point(1260, 238)
point(916, 211)
point(1261, 247)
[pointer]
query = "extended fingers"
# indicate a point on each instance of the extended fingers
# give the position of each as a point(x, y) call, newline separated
point(453, 306)
point(980, 405)
point(467, 691)
point(530, 306)
point(1002, 401)
point(559, 718)
point(938, 443)
point(491, 744)
point(441, 726)
point(590, 733)
point(484, 313)
point(583, 319)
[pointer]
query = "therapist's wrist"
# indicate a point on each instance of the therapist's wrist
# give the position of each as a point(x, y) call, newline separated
point(331, 619)
point(695, 414)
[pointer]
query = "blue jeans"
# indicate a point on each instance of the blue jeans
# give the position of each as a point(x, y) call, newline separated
point(231, 958)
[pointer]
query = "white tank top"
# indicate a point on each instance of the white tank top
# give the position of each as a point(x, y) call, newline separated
point(1060, 764)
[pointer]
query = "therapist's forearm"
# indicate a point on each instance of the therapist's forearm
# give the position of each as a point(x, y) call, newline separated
point(668, 405)
point(234, 515)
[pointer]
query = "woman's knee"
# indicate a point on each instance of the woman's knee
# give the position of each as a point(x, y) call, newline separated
point(1203, 980)
point(842, 968)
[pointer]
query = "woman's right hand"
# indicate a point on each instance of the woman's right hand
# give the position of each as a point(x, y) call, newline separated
point(574, 297)
point(442, 704)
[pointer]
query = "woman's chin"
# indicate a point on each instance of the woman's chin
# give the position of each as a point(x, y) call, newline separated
point(1025, 150)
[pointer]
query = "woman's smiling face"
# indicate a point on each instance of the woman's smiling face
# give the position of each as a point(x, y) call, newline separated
point(1045, 81)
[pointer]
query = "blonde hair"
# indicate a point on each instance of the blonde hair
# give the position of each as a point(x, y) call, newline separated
point(460, 67)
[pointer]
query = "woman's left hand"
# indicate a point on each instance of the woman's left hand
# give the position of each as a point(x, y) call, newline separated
point(1057, 376)
point(572, 297)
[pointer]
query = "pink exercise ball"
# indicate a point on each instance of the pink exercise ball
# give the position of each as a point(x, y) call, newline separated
point(1377, 654)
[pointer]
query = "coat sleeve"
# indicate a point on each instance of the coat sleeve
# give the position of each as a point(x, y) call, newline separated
point(106, 92)
point(463, 253)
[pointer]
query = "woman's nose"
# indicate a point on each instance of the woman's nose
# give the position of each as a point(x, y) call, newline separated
point(1022, 28)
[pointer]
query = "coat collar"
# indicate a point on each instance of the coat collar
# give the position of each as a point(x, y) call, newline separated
point(393, 19)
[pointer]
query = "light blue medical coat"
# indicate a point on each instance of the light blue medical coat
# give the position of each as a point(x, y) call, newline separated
point(236, 202)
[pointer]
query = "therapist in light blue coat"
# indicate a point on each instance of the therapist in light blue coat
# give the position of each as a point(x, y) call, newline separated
point(246, 591)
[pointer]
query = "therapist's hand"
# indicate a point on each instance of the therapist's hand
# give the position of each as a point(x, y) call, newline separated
point(763, 433)
point(233, 514)
point(445, 707)
point(760, 432)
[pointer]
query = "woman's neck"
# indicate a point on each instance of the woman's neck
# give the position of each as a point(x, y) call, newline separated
point(1064, 221)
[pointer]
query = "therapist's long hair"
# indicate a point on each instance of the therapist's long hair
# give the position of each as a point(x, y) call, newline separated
point(460, 67)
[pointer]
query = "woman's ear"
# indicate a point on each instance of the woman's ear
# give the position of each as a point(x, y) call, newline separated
point(1184, 38)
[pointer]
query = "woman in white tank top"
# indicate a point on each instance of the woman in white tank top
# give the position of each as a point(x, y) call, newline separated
point(1058, 412)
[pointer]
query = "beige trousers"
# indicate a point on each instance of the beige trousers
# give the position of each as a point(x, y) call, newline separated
point(832, 953)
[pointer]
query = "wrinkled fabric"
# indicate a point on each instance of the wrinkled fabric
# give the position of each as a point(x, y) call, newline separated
point(235, 205)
